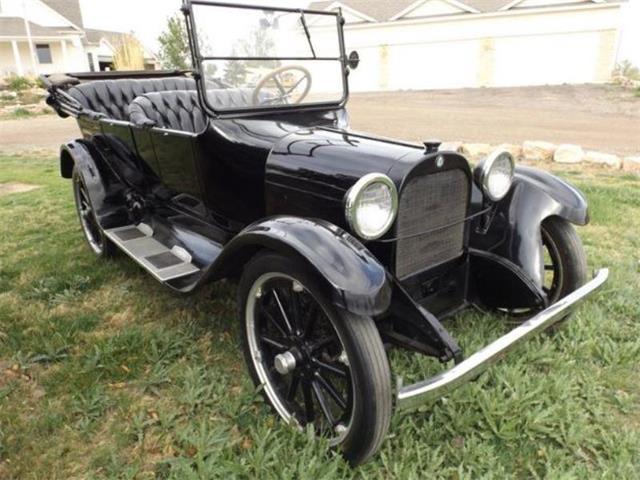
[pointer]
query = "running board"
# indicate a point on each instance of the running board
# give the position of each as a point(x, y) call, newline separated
point(163, 263)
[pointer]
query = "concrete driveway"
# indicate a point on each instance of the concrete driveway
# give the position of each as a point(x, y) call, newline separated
point(604, 118)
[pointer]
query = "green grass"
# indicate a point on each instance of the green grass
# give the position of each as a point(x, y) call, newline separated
point(105, 374)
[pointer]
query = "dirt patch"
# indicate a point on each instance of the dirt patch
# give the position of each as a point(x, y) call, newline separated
point(605, 118)
point(16, 187)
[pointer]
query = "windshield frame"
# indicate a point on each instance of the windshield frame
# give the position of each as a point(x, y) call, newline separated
point(198, 59)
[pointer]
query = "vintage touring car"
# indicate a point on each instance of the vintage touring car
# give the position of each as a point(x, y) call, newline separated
point(343, 244)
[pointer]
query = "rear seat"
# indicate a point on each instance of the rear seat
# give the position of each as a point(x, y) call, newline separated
point(111, 98)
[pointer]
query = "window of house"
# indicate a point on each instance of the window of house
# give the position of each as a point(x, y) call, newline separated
point(43, 51)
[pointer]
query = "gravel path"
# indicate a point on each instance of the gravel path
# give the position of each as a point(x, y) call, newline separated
point(600, 117)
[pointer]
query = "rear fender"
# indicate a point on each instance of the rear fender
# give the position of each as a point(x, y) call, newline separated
point(351, 276)
point(77, 154)
point(535, 196)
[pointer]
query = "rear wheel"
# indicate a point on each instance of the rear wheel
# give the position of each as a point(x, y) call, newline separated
point(319, 367)
point(93, 233)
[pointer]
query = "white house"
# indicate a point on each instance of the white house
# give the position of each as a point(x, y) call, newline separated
point(47, 36)
point(426, 44)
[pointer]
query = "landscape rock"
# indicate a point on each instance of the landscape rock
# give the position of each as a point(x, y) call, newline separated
point(451, 147)
point(631, 164)
point(568, 153)
point(603, 159)
point(534, 151)
point(475, 151)
point(514, 150)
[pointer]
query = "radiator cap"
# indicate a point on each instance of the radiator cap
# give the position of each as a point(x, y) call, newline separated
point(432, 146)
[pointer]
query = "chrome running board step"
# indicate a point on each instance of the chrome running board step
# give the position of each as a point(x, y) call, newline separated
point(160, 261)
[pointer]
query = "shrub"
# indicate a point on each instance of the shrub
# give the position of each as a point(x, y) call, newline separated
point(18, 83)
point(627, 69)
point(21, 112)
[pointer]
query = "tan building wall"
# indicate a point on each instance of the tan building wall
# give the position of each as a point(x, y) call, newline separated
point(7, 63)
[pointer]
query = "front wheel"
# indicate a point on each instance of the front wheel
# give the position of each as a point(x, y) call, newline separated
point(319, 367)
point(564, 258)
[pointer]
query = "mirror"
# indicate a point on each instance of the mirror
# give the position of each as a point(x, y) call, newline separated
point(354, 60)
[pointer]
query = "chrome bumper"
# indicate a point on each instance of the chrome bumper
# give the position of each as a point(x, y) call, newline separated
point(412, 396)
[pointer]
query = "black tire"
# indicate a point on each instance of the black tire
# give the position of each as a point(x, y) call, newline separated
point(98, 242)
point(353, 346)
point(568, 265)
point(565, 265)
point(565, 262)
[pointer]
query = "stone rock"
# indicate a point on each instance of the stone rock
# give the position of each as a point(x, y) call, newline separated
point(475, 151)
point(603, 159)
point(533, 151)
point(451, 147)
point(514, 150)
point(569, 154)
point(631, 164)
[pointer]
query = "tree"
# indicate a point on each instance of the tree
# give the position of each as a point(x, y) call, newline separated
point(129, 54)
point(235, 72)
point(174, 45)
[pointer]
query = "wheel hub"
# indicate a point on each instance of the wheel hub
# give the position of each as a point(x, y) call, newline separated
point(285, 362)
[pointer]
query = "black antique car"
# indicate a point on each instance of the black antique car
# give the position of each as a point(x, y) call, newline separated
point(343, 244)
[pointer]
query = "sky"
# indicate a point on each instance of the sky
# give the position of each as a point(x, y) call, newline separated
point(147, 19)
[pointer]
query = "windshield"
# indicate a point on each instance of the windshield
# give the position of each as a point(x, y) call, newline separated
point(256, 59)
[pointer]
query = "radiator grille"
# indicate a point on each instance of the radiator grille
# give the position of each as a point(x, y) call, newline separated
point(429, 202)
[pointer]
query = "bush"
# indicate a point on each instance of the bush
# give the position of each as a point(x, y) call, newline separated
point(18, 83)
point(628, 70)
point(21, 112)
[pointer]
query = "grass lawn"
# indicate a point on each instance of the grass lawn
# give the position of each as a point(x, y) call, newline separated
point(106, 374)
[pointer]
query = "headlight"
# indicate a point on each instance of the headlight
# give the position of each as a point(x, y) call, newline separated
point(494, 174)
point(371, 206)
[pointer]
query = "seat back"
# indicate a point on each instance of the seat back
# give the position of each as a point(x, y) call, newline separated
point(111, 98)
point(179, 110)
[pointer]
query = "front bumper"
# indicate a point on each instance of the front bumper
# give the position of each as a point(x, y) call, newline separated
point(428, 390)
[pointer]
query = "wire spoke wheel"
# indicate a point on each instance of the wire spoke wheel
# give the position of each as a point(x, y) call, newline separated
point(552, 281)
point(321, 368)
point(299, 356)
point(86, 215)
point(564, 263)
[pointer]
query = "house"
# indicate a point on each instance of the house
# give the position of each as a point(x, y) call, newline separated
point(428, 44)
point(47, 36)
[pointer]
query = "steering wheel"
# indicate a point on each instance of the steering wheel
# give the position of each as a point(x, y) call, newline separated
point(284, 88)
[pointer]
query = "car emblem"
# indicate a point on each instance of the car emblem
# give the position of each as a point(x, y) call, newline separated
point(440, 161)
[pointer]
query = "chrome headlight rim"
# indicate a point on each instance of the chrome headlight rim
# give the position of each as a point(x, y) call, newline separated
point(352, 200)
point(483, 173)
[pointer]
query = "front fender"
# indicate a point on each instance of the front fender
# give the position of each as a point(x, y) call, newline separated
point(353, 278)
point(515, 230)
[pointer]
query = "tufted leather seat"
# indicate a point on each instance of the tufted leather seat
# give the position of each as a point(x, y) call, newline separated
point(172, 110)
point(181, 110)
point(111, 98)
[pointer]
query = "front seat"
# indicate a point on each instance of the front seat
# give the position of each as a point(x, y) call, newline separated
point(177, 110)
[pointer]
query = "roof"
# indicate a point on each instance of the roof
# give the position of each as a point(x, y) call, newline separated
point(381, 10)
point(14, 27)
point(385, 10)
point(69, 9)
